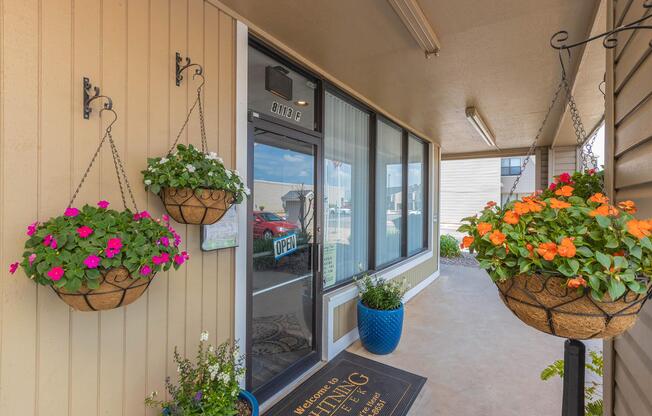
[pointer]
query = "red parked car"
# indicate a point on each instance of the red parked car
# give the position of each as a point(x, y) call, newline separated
point(268, 225)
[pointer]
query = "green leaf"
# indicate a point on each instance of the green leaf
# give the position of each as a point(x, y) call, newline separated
point(616, 289)
point(645, 242)
point(620, 263)
point(585, 251)
point(566, 270)
point(636, 251)
point(604, 222)
point(574, 265)
point(604, 259)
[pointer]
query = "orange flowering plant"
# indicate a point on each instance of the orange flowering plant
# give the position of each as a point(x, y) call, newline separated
point(595, 245)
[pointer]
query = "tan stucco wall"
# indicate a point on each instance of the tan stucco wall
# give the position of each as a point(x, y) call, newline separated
point(54, 361)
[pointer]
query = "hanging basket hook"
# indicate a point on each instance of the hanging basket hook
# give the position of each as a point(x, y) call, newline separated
point(92, 93)
point(180, 68)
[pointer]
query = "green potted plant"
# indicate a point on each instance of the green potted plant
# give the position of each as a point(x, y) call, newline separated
point(194, 186)
point(209, 386)
point(97, 258)
point(380, 313)
point(566, 262)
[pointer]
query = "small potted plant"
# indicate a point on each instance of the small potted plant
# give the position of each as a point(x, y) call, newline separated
point(194, 186)
point(567, 262)
point(96, 258)
point(209, 386)
point(380, 313)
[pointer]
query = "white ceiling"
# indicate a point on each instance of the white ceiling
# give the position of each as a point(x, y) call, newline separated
point(495, 55)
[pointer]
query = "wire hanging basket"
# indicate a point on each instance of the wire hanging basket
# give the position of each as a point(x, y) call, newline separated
point(199, 206)
point(547, 304)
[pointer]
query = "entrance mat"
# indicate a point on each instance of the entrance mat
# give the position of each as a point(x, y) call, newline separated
point(352, 385)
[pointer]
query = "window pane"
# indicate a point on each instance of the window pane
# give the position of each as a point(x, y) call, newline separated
point(346, 196)
point(416, 194)
point(389, 177)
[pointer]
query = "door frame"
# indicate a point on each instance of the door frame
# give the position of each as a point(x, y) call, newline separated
point(261, 121)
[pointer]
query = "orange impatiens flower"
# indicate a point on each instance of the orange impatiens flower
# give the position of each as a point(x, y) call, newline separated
point(511, 217)
point(599, 198)
point(497, 238)
point(467, 241)
point(557, 204)
point(576, 282)
point(639, 228)
point(604, 211)
point(547, 250)
point(521, 208)
point(567, 248)
point(530, 248)
point(484, 228)
point(565, 191)
point(628, 206)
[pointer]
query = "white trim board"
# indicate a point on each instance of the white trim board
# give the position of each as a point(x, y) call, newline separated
point(241, 126)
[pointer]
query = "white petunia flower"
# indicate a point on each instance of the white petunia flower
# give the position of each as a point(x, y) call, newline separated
point(163, 160)
point(228, 173)
point(148, 182)
point(210, 173)
point(151, 168)
point(204, 336)
point(191, 168)
point(211, 156)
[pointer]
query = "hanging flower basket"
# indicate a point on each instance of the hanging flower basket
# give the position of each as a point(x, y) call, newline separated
point(193, 184)
point(202, 206)
point(549, 305)
point(96, 258)
point(566, 261)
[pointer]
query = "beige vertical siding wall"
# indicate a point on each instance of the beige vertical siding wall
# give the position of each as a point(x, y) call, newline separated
point(54, 361)
point(629, 139)
point(562, 159)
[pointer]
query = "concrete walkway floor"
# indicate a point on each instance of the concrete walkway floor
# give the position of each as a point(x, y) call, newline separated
point(480, 360)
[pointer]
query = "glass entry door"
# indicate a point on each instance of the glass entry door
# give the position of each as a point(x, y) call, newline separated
point(284, 236)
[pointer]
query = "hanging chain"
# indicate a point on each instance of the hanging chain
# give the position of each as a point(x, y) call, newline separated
point(117, 162)
point(533, 146)
point(588, 160)
point(197, 103)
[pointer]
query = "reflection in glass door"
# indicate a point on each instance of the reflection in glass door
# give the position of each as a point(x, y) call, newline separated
point(282, 336)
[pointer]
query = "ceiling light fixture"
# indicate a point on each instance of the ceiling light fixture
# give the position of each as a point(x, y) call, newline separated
point(302, 103)
point(480, 126)
point(416, 22)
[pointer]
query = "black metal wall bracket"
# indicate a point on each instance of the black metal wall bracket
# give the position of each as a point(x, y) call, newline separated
point(92, 93)
point(609, 39)
point(180, 68)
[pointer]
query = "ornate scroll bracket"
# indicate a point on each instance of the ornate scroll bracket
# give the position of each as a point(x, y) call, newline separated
point(609, 39)
point(180, 68)
point(92, 93)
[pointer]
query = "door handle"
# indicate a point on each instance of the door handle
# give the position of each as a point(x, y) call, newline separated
point(319, 259)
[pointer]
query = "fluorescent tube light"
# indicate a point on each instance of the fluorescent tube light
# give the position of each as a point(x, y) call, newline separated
point(480, 126)
point(416, 22)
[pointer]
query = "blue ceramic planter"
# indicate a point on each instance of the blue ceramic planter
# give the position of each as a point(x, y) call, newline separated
point(249, 398)
point(380, 331)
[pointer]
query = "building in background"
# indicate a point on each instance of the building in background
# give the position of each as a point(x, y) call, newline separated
point(510, 169)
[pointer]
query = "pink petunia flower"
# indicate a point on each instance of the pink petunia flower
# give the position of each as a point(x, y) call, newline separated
point(92, 261)
point(71, 212)
point(54, 244)
point(136, 217)
point(114, 243)
point(103, 204)
point(13, 267)
point(47, 240)
point(84, 231)
point(31, 229)
point(181, 258)
point(56, 273)
point(145, 214)
point(164, 241)
point(145, 270)
point(166, 218)
point(32, 257)
point(162, 259)
point(111, 253)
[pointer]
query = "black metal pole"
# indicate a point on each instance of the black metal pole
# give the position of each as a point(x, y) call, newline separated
point(574, 360)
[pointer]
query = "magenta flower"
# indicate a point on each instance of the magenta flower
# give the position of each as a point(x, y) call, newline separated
point(145, 270)
point(181, 258)
point(32, 257)
point(84, 231)
point(71, 212)
point(13, 267)
point(114, 243)
point(111, 253)
point(103, 204)
point(164, 241)
point(47, 240)
point(162, 259)
point(144, 214)
point(54, 244)
point(136, 217)
point(31, 229)
point(166, 219)
point(565, 177)
point(92, 261)
point(56, 273)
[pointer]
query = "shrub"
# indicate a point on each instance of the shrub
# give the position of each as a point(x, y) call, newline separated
point(188, 167)
point(449, 246)
point(585, 184)
point(69, 251)
point(380, 294)
point(207, 387)
point(592, 243)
